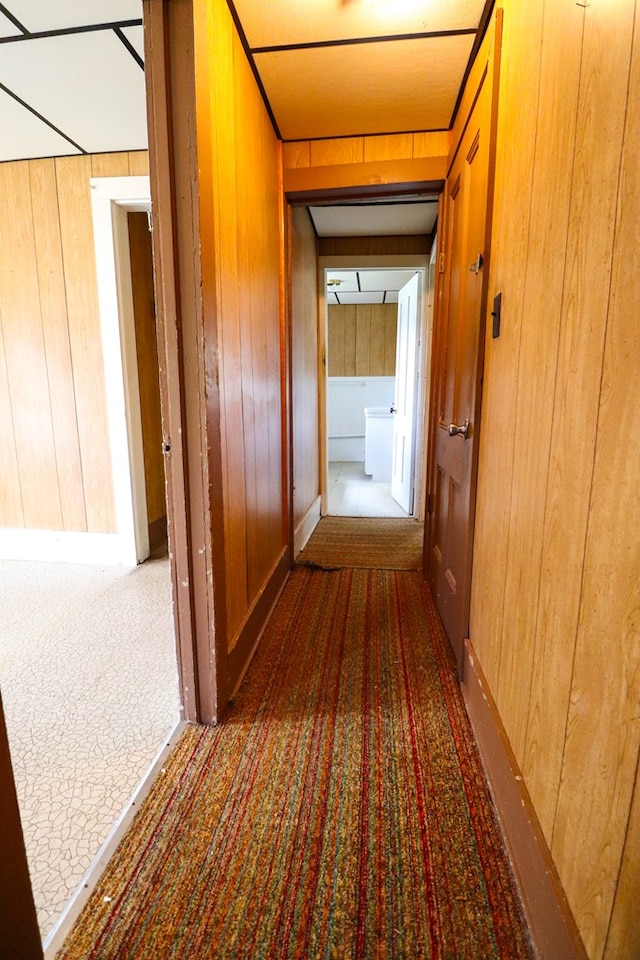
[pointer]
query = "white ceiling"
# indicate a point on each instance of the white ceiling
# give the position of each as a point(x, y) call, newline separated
point(375, 220)
point(365, 286)
point(71, 77)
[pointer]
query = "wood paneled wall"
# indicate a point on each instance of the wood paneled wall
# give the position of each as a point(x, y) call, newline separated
point(362, 340)
point(304, 363)
point(242, 228)
point(375, 246)
point(355, 162)
point(556, 587)
point(56, 465)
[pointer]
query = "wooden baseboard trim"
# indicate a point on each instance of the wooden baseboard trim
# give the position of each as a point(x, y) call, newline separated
point(553, 929)
point(306, 527)
point(255, 621)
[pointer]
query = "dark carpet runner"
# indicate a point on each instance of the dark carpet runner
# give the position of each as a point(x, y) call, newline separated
point(339, 811)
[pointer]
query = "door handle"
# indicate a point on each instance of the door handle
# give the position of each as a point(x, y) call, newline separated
point(393, 408)
point(459, 431)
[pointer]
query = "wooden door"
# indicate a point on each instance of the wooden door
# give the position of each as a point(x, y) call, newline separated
point(403, 468)
point(458, 359)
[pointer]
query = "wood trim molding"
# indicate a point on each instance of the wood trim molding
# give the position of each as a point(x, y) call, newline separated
point(256, 620)
point(553, 929)
point(306, 527)
point(377, 175)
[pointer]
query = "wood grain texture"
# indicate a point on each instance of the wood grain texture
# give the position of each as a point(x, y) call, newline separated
point(541, 654)
point(326, 153)
point(53, 302)
point(139, 163)
point(246, 223)
point(74, 202)
point(603, 725)
point(517, 124)
point(304, 363)
point(147, 358)
point(401, 146)
point(556, 588)
point(362, 340)
point(110, 165)
point(24, 353)
point(370, 246)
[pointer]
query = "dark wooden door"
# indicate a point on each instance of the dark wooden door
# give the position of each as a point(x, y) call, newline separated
point(458, 357)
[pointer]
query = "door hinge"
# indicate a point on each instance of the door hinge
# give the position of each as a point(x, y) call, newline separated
point(441, 262)
point(431, 503)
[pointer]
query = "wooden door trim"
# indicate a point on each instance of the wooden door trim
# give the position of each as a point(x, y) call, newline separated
point(173, 169)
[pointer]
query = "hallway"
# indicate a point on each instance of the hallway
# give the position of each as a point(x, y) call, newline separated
point(338, 811)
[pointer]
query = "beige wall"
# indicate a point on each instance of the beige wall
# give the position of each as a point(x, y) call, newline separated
point(56, 465)
point(554, 618)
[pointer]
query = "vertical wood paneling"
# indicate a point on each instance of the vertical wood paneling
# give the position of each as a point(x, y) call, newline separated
point(139, 163)
point(544, 285)
point(53, 417)
point(517, 125)
point(73, 175)
point(304, 362)
point(603, 728)
point(53, 301)
point(247, 219)
point(394, 147)
point(24, 358)
point(110, 165)
point(327, 152)
point(11, 512)
point(556, 588)
point(362, 340)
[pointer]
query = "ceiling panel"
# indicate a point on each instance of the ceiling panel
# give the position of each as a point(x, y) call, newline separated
point(290, 21)
point(375, 220)
point(346, 298)
point(24, 136)
point(384, 279)
point(391, 296)
point(135, 37)
point(389, 87)
point(87, 85)
point(7, 28)
point(343, 280)
point(38, 15)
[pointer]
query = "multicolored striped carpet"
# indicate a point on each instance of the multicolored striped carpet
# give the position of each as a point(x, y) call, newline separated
point(338, 812)
point(374, 543)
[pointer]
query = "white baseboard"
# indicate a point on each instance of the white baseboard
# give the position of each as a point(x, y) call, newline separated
point(109, 549)
point(306, 527)
point(87, 885)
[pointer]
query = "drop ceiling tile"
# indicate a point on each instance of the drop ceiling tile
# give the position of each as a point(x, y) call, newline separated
point(39, 15)
point(375, 220)
point(135, 37)
point(7, 28)
point(87, 85)
point(332, 299)
point(391, 296)
point(384, 279)
point(26, 137)
point(346, 280)
point(346, 298)
point(290, 21)
point(388, 87)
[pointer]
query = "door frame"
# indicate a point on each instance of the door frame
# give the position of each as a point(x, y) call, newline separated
point(421, 263)
point(112, 198)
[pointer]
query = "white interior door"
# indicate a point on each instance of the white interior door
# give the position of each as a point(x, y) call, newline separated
point(405, 397)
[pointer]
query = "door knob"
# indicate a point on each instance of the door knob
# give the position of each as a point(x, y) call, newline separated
point(459, 431)
point(393, 408)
